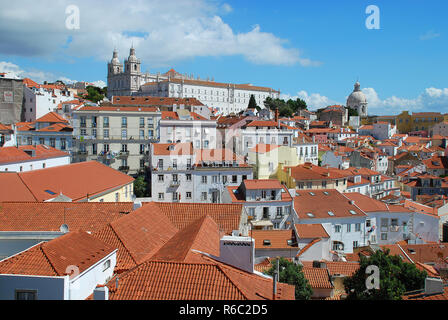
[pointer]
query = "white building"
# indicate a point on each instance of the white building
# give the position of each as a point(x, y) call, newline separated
point(27, 158)
point(67, 268)
point(40, 99)
point(344, 222)
point(184, 126)
point(357, 100)
point(267, 202)
point(180, 173)
point(389, 224)
point(227, 98)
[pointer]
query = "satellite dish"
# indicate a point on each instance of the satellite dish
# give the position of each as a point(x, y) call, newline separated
point(64, 228)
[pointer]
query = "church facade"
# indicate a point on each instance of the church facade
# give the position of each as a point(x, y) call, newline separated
point(226, 98)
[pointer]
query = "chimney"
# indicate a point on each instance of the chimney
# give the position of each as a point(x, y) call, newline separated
point(238, 252)
point(101, 293)
point(433, 286)
point(276, 118)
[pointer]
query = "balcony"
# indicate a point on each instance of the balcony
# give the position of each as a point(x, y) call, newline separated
point(174, 184)
point(123, 168)
point(123, 154)
point(82, 153)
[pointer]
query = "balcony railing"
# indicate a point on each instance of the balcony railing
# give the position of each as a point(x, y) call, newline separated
point(123, 154)
point(124, 168)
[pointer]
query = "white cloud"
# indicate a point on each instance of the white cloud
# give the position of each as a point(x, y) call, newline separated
point(431, 99)
point(314, 101)
point(14, 71)
point(161, 31)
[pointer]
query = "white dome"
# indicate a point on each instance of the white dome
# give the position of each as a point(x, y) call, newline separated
point(357, 97)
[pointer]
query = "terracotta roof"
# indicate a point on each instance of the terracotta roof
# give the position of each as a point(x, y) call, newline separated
point(318, 278)
point(262, 123)
point(264, 148)
point(201, 235)
point(58, 127)
point(332, 204)
point(76, 248)
point(52, 117)
point(278, 239)
point(118, 108)
point(86, 179)
point(311, 231)
point(18, 154)
point(178, 149)
point(217, 155)
point(423, 253)
point(155, 101)
point(312, 172)
point(423, 296)
point(138, 235)
point(337, 267)
point(227, 216)
point(210, 280)
point(220, 84)
point(49, 216)
point(262, 184)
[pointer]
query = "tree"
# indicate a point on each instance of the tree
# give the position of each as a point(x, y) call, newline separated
point(352, 112)
point(396, 277)
point(140, 187)
point(95, 94)
point(252, 103)
point(291, 273)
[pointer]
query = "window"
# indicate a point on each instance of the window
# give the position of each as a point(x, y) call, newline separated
point(188, 195)
point(175, 178)
point(26, 295)
point(215, 179)
point(384, 236)
point(355, 244)
point(349, 227)
point(117, 197)
point(224, 179)
point(142, 134)
point(41, 141)
point(106, 133)
point(124, 122)
point(188, 176)
point(106, 265)
point(106, 122)
point(234, 179)
point(358, 227)
point(309, 185)
point(160, 164)
point(124, 134)
point(324, 184)
point(161, 177)
point(337, 228)
point(204, 179)
point(251, 212)
point(279, 212)
point(142, 122)
point(94, 133)
point(204, 196)
point(161, 196)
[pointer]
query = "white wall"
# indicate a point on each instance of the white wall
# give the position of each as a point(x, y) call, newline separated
point(35, 164)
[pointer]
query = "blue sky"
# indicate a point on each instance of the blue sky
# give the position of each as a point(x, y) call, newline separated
point(314, 50)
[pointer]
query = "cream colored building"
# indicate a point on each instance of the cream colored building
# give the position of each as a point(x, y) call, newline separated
point(266, 159)
point(116, 136)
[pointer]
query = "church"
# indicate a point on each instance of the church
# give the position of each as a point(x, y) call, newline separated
point(357, 100)
point(226, 98)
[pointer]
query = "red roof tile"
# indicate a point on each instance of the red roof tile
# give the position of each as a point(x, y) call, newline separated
point(52, 258)
point(18, 154)
point(305, 231)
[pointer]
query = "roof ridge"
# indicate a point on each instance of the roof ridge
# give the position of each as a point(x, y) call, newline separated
point(48, 259)
point(221, 269)
point(122, 243)
point(24, 183)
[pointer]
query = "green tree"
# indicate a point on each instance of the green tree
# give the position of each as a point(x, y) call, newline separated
point(291, 273)
point(285, 111)
point(253, 103)
point(396, 277)
point(95, 94)
point(352, 112)
point(140, 187)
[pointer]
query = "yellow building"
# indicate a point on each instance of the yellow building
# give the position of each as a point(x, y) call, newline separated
point(311, 177)
point(418, 121)
point(267, 158)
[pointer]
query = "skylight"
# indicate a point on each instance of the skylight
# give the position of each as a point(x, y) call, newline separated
point(326, 193)
point(352, 212)
point(309, 214)
point(50, 192)
point(312, 193)
point(330, 213)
